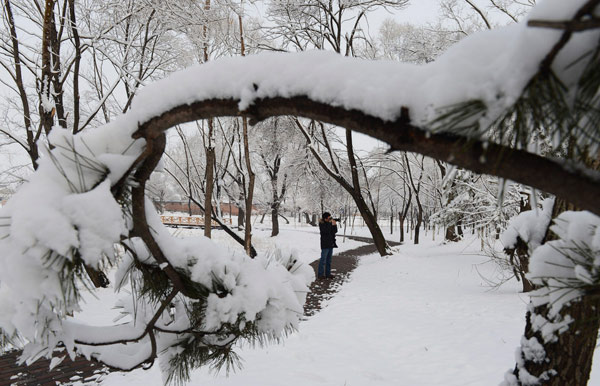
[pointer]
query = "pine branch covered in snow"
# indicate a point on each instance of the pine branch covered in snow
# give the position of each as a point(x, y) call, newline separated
point(184, 301)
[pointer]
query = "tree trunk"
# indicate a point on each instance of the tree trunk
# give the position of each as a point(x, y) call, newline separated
point(275, 220)
point(451, 234)
point(569, 358)
point(401, 218)
point(240, 218)
point(419, 219)
point(286, 220)
point(250, 193)
point(313, 220)
point(209, 180)
point(307, 218)
point(369, 218)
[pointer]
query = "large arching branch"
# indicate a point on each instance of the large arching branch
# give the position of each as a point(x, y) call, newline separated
point(579, 185)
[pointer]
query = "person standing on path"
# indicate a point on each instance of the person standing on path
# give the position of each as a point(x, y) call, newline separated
point(328, 229)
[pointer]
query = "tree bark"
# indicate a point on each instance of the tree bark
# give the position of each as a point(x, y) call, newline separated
point(572, 353)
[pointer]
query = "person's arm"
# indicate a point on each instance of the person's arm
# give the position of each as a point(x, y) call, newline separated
point(334, 227)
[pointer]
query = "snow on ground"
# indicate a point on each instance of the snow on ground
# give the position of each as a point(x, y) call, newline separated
point(424, 316)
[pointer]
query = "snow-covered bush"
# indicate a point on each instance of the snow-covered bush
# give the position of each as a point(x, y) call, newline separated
point(530, 226)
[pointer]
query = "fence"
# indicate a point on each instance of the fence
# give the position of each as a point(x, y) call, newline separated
point(186, 221)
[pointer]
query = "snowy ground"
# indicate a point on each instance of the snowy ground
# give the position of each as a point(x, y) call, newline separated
point(424, 316)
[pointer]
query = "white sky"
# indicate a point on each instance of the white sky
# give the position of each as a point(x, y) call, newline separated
point(419, 12)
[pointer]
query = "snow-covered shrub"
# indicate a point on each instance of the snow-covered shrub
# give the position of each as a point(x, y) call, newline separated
point(530, 226)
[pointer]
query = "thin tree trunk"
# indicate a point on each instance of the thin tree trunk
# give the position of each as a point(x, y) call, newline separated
point(31, 148)
point(275, 220)
point(401, 227)
point(49, 30)
point(419, 220)
point(250, 193)
point(241, 216)
point(209, 180)
point(210, 149)
point(251, 175)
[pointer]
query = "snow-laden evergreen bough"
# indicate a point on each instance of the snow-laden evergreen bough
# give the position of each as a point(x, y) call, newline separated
point(186, 301)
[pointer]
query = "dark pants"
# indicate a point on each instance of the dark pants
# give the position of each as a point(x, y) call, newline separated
point(325, 262)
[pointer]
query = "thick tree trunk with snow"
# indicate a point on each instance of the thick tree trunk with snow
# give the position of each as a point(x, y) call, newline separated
point(568, 359)
point(570, 356)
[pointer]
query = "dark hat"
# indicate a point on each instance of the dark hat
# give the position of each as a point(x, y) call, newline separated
point(326, 215)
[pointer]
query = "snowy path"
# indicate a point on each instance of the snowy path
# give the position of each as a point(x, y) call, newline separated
point(342, 265)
